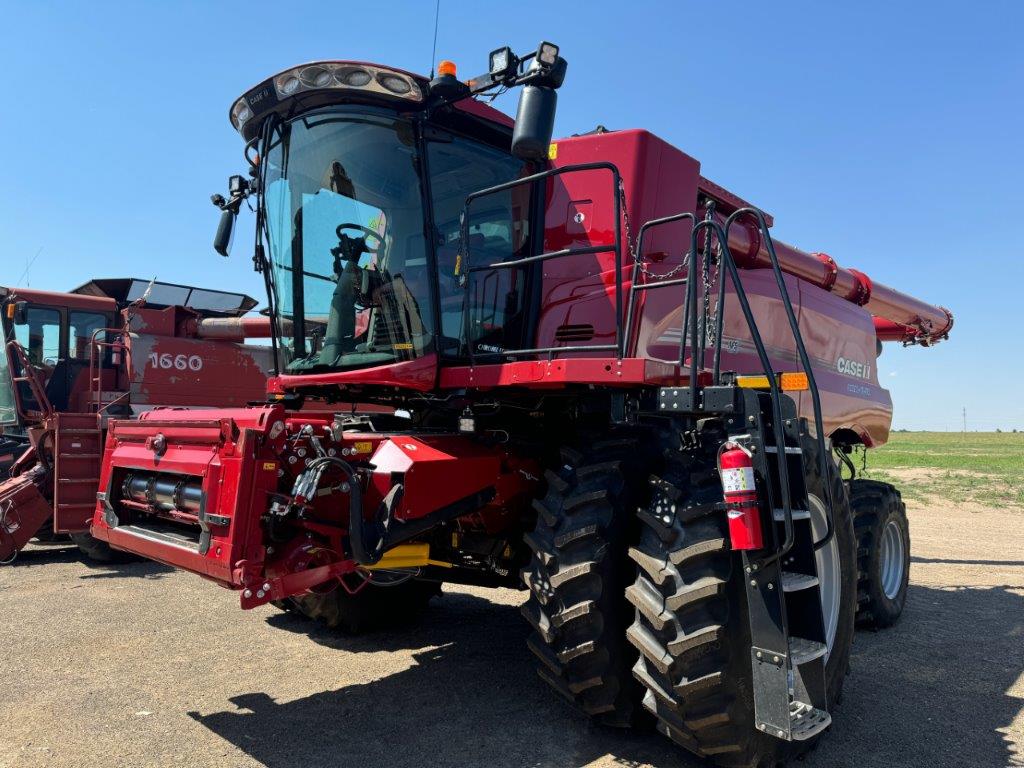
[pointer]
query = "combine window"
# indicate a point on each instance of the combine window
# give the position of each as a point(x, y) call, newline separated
point(8, 408)
point(40, 336)
point(498, 231)
point(81, 327)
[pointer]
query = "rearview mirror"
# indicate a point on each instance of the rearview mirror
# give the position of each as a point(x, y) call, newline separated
point(225, 232)
point(535, 122)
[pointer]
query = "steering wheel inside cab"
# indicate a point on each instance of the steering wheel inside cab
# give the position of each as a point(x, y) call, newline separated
point(349, 251)
point(352, 248)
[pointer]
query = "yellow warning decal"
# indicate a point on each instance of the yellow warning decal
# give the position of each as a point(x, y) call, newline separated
point(402, 345)
point(269, 466)
point(458, 263)
point(362, 446)
point(552, 151)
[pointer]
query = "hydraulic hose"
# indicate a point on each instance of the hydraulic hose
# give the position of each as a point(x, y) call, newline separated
point(365, 551)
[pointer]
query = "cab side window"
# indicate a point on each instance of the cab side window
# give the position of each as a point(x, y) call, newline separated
point(81, 328)
point(40, 336)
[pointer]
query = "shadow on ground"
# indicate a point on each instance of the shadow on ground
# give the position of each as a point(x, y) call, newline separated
point(929, 692)
point(53, 553)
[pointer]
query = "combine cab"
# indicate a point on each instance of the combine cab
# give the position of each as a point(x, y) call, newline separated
point(610, 387)
point(71, 361)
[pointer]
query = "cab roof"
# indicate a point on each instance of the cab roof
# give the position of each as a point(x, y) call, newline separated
point(125, 290)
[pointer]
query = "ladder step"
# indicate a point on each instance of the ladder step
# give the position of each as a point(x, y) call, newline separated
point(794, 582)
point(802, 650)
point(798, 514)
point(806, 722)
point(775, 449)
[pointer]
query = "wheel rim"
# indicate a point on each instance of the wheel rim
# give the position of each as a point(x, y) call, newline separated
point(830, 583)
point(890, 559)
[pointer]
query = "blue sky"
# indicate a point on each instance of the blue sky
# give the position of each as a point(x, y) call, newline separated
point(887, 134)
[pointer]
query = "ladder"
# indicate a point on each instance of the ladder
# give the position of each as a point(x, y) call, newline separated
point(787, 627)
point(788, 630)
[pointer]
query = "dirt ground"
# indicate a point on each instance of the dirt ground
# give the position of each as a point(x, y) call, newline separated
point(142, 666)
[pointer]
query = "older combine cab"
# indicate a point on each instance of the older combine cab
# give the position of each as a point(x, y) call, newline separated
point(610, 386)
point(114, 347)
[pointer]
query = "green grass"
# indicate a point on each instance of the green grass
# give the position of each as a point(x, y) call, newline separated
point(982, 467)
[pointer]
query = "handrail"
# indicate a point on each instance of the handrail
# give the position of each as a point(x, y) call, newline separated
point(690, 328)
point(634, 288)
point(29, 377)
point(717, 230)
point(96, 369)
point(794, 325)
point(467, 270)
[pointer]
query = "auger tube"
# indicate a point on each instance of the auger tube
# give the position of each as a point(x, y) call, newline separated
point(908, 319)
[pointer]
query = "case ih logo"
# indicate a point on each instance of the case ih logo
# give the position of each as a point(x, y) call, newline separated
point(853, 368)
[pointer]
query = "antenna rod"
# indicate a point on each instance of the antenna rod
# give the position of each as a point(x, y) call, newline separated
point(433, 51)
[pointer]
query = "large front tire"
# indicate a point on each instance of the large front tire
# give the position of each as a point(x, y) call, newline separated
point(98, 551)
point(692, 626)
point(577, 578)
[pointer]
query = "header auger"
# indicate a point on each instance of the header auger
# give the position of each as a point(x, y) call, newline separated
point(604, 382)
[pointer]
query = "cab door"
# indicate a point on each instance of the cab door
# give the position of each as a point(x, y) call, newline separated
point(40, 333)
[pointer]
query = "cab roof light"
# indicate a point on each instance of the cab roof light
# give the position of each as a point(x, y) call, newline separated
point(501, 62)
point(787, 382)
point(547, 53)
point(324, 76)
point(446, 67)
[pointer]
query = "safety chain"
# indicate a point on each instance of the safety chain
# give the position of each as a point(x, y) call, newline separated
point(644, 267)
point(708, 277)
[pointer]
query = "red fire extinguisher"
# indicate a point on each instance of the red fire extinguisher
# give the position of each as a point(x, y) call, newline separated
point(736, 467)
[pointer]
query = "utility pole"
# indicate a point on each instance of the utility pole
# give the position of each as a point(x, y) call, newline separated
point(965, 422)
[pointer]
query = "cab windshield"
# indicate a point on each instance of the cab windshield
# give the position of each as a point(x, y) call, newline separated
point(8, 407)
point(344, 213)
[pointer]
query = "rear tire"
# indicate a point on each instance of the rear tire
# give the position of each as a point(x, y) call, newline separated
point(47, 535)
point(692, 626)
point(577, 578)
point(883, 552)
point(98, 551)
point(371, 608)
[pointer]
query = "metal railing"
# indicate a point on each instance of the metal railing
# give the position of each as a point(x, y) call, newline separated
point(27, 375)
point(823, 465)
point(715, 230)
point(96, 347)
point(468, 269)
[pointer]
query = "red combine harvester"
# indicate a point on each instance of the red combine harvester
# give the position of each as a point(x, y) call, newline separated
point(609, 384)
point(115, 347)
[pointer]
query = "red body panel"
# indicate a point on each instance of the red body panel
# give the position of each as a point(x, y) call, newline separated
point(240, 459)
point(23, 511)
point(170, 365)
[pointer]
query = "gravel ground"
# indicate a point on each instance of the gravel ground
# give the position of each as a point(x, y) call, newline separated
point(142, 666)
